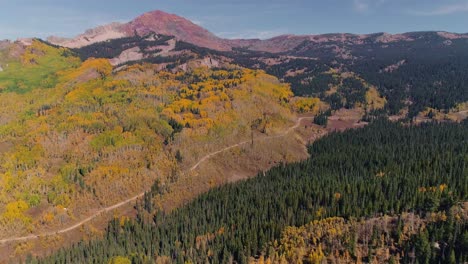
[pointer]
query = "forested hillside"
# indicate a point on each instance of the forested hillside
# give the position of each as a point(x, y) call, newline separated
point(79, 135)
point(419, 71)
point(423, 69)
point(407, 238)
point(383, 169)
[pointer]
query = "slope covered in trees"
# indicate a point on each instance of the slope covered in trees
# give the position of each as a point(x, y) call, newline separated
point(385, 168)
point(98, 135)
point(436, 238)
point(421, 70)
point(112, 49)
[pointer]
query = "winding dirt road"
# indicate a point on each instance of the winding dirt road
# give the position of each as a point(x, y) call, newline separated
point(296, 125)
point(115, 206)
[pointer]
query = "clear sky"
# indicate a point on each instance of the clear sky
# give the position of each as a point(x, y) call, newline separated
point(238, 18)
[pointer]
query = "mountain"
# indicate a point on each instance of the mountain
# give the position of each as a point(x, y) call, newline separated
point(156, 21)
point(173, 25)
point(182, 29)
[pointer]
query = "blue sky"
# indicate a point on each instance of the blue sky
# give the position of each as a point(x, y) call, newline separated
point(238, 18)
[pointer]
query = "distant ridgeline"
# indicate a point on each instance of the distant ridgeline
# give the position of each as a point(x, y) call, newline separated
point(423, 69)
point(375, 173)
point(428, 71)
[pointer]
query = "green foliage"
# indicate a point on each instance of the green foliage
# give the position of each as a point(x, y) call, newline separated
point(322, 118)
point(107, 139)
point(120, 260)
point(444, 241)
point(32, 200)
point(178, 156)
point(354, 92)
point(37, 68)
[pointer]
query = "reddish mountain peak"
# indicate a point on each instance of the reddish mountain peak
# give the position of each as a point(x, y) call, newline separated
point(160, 17)
point(162, 23)
point(169, 24)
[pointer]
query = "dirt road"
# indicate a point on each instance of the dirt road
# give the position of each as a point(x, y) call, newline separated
point(115, 206)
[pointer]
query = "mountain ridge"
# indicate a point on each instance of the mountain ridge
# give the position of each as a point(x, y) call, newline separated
point(183, 29)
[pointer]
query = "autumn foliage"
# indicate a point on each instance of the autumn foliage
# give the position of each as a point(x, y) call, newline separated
point(98, 135)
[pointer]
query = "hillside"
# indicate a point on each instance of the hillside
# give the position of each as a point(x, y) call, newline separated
point(89, 136)
point(403, 239)
point(425, 70)
point(248, 220)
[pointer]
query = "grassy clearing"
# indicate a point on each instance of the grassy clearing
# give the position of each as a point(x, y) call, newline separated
point(36, 68)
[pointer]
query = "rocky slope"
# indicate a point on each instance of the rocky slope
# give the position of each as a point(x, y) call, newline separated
point(98, 34)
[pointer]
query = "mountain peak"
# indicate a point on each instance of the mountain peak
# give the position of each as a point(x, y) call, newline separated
point(158, 17)
point(169, 24)
point(159, 14)
point(156, 21)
